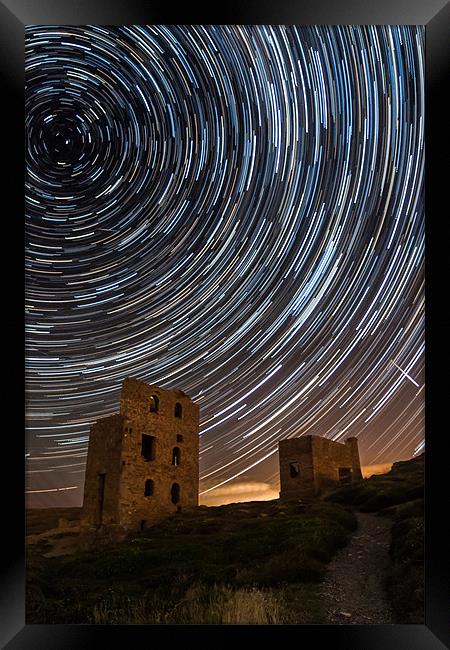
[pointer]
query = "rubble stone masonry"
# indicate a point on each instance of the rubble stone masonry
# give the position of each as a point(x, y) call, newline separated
point(143, 464)
point(310, 463)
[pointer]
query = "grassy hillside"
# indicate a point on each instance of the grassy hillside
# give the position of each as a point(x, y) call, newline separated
point(40, 520)
point(260, 561)
point(405, 582)
point(402, 484)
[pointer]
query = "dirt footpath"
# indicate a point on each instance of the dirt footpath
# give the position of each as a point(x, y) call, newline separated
point(353, 590)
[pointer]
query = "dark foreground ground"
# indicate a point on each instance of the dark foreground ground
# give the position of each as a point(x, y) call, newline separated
point(398, 496)
point(263, 562)
point(354, 589)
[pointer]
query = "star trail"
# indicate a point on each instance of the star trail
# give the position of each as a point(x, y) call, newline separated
point(236, 211)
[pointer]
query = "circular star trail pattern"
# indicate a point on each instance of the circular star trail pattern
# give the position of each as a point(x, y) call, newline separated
point(236, 211)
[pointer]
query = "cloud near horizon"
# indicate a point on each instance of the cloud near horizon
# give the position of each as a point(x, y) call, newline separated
point(260, 491)
point(239, 492)
point(370, 470)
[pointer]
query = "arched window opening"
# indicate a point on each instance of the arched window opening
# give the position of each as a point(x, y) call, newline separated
point(154, 404)
point(176, 456)
point(175, 493)
point(294, 470)
point(178, 410)
point(149, 487)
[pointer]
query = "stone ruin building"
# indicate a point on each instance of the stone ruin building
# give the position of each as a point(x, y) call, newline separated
point(310, 463)
point(143, 463)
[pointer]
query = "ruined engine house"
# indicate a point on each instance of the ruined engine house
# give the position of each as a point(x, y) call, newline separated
point(143, 463)
point(310, 463)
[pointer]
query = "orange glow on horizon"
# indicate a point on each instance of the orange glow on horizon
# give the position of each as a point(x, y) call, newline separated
point(260, 491)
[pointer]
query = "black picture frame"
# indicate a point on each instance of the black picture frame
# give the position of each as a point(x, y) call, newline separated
point(434, 14)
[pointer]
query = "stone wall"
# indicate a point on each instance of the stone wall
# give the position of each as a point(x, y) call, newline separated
point(328, 457)
point(105, 446)
point(319, 461)
point(115, 451)
point(354, 453)
point(169, 432)
point(296, 450)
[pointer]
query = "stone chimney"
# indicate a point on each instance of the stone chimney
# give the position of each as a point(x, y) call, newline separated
point(356, 464)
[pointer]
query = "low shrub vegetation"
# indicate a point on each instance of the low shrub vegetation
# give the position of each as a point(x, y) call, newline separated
point(215, 565)
point(405, 581)
point(246, 563)
point(399, 495)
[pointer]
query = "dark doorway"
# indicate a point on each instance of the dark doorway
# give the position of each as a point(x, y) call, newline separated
point(294, 470)
point(101, 498)
point(143, 524)
point(345, 474)
point(175, 493)
point(148, 450)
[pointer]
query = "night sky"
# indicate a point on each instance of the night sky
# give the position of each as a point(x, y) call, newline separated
point(236, 211)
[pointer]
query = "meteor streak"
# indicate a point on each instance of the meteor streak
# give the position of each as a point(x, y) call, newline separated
point(406, 375)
